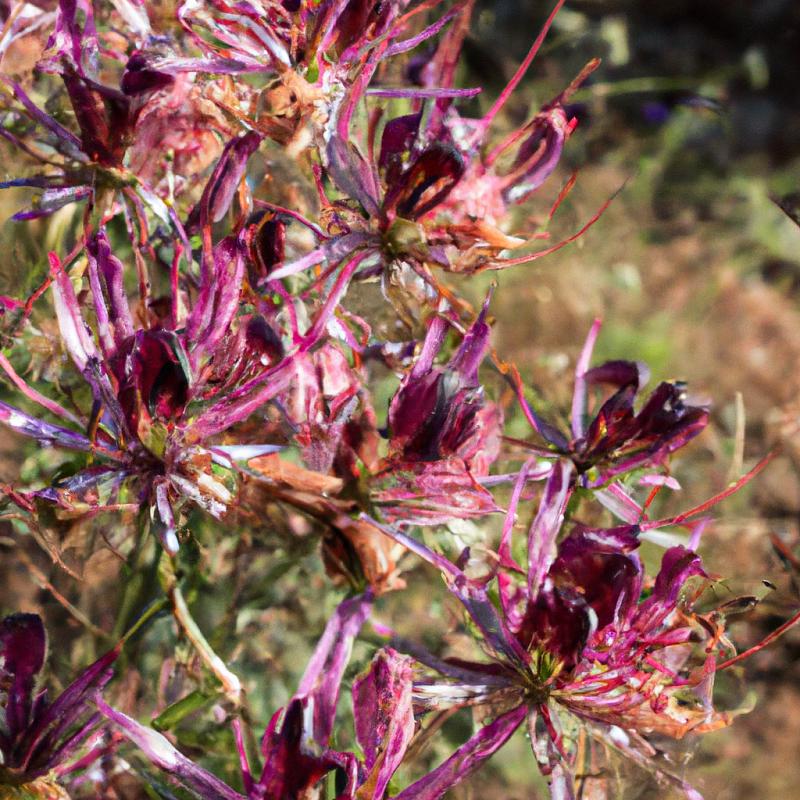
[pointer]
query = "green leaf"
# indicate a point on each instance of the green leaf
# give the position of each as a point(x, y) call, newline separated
point(173, 714)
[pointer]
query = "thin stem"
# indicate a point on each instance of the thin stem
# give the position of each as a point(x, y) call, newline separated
point(230, 683)
point(778, 632)
point(518, 75)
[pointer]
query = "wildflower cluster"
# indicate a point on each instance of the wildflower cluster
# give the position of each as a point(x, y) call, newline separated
point(231, 181)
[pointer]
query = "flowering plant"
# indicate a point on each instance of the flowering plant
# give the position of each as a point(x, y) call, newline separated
point(264, 204)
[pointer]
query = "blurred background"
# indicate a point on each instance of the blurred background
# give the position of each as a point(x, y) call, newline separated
point(694, 119)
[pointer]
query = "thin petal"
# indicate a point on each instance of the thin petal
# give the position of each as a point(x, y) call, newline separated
point(323, 675)
point(160, 752)
point(384, 718)
point(77, 337)
point(547, 524)
point(44, 432)
point(487, 741)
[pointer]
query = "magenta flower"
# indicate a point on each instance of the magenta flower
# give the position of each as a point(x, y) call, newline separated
point(38, 736)
point(580, 633)
point(428, 197)
point(159, 392)
point(93, 160)
point(443, 435)
point(618, 439)
point(296, 743)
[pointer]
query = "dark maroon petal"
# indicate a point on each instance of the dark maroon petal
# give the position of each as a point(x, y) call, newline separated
point(667, 417)
point(397, 140)
point(23, 644)
point(664, 424)
point(224, 181)
point(417, 412)
point(291, 768)
point(614, 425)
point(158, 377)
point(472, 432)
point(141, 78)
point(384, 717)
point(559, 621)
point(677, 566)
point(538, 155)
point(266, 241)
point(357, 19)
point(607, 581)
point(619, 374)
point(262, 340)
point(418, 394)
point(427, 182)
point(487, 741)
point(104, 116)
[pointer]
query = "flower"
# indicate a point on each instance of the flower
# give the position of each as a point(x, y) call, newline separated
point(582, 634)
point(296, 743)
point(443, 435)
point(412, 212)
point(618, 439)
point(39, 737)
point(161, 389)
point(94, 159)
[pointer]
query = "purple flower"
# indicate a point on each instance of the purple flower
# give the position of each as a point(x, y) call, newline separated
point(439, 412)
point(427, 195)
point(93, 159)
point(443, 435)
point(160, 392)
point(296, 743)
point(38, 736)
point(619, 439)
point(581, 632)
